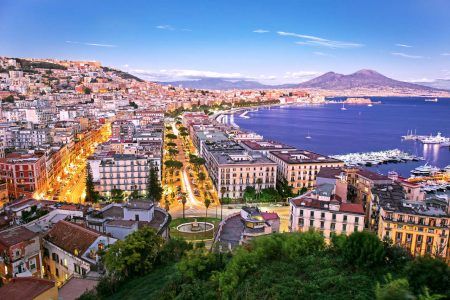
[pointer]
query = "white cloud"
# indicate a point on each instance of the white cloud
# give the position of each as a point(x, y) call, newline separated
point(92, 44)
point(185, 74)
point(423, 79)
point(322, 54)
point(445, 54)
point(407, 55)
point(305, 75)
point(260, 31)
point(310, 40)
point(403, 45)
point(165, 27)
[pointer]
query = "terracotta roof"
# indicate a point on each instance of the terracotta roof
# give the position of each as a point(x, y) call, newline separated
point(70, 237)
point(352, 208)
point(372, 175)
point(16, 235)
point(269, 216)
point(329, 172)
point(25, 288)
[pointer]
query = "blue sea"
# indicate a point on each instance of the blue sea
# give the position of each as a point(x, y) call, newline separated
point(359, 128)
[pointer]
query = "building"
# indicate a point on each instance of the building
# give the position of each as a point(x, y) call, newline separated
point(265, 146)
point(72, 250)
point(321, 210)
point(233, 170)
point(122, 219)
point(122, 131)
point(25, 174)
point(20, 250)
point(29, 288)
point(422, 227)
point(299, 168)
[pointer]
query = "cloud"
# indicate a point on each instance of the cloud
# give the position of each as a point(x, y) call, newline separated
point(165, 27)
point(310, 40)
point(301, 75)
point(407, 55)
point(322, 54)
point(445, 54)
point(403, 45)
point(92, 44)
point(261, 31)
point(186, 74)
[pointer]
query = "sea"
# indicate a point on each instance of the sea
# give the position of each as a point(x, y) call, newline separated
point(360, 128)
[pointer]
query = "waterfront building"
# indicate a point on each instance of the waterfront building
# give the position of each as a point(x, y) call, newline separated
point(324, 211)
point(421, 227)
point(264, 146)
point(21, 253)
point(299, 168)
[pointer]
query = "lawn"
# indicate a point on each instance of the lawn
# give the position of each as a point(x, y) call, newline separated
point(193, 236)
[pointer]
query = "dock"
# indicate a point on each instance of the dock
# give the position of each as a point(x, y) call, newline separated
point(376, 157)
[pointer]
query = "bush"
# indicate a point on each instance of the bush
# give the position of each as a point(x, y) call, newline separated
point(427, 272)
point(364, 249)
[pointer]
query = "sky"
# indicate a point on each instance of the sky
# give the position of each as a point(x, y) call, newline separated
point(271, 41)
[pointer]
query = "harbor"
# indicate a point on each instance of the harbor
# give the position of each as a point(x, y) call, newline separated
point(376, 157)
point(437, 139)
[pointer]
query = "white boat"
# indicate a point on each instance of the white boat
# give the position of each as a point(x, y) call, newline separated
point(425, 170)
point(343, 107)
point(438, 139)
point(432, 100)
point(369, 105)
point(308, 136)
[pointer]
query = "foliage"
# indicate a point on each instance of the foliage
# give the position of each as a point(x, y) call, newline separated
point(171, 136)
point(284, 189)
point(171, 144)
point(133, 104)
point(173, 164)
point(364, 249)
point(394, 290)
point(117, 195)
point(135, 255)
point(87, 91)
point(154, 189)
point(91, 194)
point(8, 99)
point(33, 214)
point(428, 272)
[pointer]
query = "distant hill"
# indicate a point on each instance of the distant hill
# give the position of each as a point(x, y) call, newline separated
point(219, 84)
point(363, 79)
point(443, 84)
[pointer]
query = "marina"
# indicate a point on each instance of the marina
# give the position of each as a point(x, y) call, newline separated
point(376, 157)
point(437, 139)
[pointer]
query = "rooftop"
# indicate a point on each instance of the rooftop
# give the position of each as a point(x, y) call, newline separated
point(325, 205)
point(240, 157)
point(16, 235)
point(25, 288)
point(303, 156)
point(266, 145)
point(139, 204)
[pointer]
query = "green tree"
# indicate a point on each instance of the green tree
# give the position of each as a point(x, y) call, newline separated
point(87, 91)
point(201, 176)
point(394, 290)
point(427, 272)
point(91, 194)
point(173, 164)
point(173, 152)
point(171, 136)
point(171, 144)
point(207, 204)
point(8, 99)
point(154, 189)
point(364, 249)
point(249, 194)
point(117, 195)
point(183, 202)
point(135, 255)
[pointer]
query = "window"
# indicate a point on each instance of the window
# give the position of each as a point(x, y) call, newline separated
point(301, 212)
point(301, 222)
point(345, 218)
point(333, 217)
point(322, 215)
point(312, 214)
point(136, 217)
point(344, 227)
point(322, 225)
point(32, 264)
point(333, 226)
point(77, 268)
point(55, 257)
point(398, 236)
point(311, 223)
point(57, 272)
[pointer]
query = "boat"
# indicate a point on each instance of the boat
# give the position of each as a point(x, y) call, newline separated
point(369, 105)
point(438, 139)
point(308, 136)
point(343, 107)
point(432, 100)
point(425, 170)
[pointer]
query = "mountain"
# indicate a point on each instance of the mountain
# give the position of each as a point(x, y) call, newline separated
point(443, 84)
point(219, 84)
point(363, 79)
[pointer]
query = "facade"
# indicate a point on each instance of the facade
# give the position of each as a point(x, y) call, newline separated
point(25, 174)
point(300, 167)
point(72, 250)
point(422, 227)
point(122, 130)
point(20, 250)
point(324, 211)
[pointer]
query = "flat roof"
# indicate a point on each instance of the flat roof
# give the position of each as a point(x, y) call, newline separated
point(303, 156)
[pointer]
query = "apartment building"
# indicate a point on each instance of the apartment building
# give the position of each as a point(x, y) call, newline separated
point(422, 227)
point(321, 211)
point(264, 146)
point(25, 174)
point(122, 130)
point(72, 250)
point(21, 253)
point(300, 167)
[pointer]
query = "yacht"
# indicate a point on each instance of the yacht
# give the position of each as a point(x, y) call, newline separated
point(425, 170)
point(438, 139)
point(369, 105)
point(343, 107)
point(432, 100)
point(308, 136)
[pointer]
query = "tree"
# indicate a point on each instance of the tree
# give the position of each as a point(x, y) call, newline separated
point(183, 202)
point(207, 204)
point(201, 176)
point(259, 181)
point(154, 189)
point(91, 194)
point(196, 161)
point(364, 249)
point(284, 189)
point(8, 99)
point(173, 164)
point(173, 152)
point(222, 196)
point(117, 195)
point(171, 136)
point(87, 91)
point(427, 272)
point(394, 290)
point(249, 194)
point(135, 255)
point(171, 144)
point(133, 104)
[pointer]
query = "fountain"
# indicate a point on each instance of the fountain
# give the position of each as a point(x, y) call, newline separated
point(193, 227)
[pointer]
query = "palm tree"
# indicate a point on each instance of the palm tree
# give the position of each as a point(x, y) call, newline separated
point(259, 181)
point(183, 201)
point(222, 191)
point(207, 204)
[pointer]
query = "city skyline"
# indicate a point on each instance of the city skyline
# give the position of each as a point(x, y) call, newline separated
point(268, 41)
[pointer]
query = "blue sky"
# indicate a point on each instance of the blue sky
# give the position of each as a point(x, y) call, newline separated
point(271, 41)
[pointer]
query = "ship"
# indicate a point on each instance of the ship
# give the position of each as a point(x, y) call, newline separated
point(437, 139)
point(425, 170)
point(343, 107)
point(432, 100)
